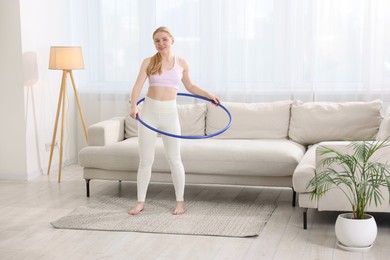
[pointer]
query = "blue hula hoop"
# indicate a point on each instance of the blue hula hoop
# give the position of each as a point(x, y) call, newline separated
point(191, 136)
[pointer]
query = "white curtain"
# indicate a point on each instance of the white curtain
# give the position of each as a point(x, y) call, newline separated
point(241, 50)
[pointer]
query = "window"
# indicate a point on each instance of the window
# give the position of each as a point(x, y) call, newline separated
point(243, 49)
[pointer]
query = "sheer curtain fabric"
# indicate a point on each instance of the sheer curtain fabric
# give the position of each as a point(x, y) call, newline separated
point(241, 50)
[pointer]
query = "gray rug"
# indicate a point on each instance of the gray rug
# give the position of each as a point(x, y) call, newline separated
point(219, 218)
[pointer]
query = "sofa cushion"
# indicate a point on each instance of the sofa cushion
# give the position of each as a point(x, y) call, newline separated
point(118, 156)
point(250, 120)
point(314, 122)
point(384, 128)
point(242, 157)
point(192, 120)
point(207, 156)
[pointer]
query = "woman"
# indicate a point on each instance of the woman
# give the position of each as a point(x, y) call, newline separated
point(164, 71)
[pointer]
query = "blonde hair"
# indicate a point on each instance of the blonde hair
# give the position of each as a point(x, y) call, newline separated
point(155, 64)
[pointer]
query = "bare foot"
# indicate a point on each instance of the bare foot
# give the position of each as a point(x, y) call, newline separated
point(179, 210)
point(137, 208)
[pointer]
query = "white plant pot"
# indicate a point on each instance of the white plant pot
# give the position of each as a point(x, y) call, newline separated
point(355, 234)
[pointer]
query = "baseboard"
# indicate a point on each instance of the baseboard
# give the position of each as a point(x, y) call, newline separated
point(13, 177)
point(32, 175)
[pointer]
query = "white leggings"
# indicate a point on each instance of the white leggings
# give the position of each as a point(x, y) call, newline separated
point(163, 116)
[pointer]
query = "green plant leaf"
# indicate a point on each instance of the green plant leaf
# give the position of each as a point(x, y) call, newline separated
point(356, 174)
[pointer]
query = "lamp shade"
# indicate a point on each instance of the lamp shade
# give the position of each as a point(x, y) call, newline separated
point(66, 58)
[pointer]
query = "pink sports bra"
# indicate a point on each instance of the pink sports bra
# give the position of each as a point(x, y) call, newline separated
point(168, 78)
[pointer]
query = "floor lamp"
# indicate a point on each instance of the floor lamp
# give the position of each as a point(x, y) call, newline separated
point(65, 58)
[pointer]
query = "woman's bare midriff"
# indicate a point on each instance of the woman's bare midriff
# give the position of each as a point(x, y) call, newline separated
point(162, 93)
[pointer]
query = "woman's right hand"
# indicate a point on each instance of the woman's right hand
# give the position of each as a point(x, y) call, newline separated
point(134, 113)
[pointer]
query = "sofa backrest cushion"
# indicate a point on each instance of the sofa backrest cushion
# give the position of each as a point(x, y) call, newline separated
point(384, 128)
point(192, 120)
point(314, 122)
point(267, 120)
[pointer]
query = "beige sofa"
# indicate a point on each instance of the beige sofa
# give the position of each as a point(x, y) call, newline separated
point(268, 144)
point(310, 163)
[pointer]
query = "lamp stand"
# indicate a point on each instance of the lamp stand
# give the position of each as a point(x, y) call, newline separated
point(61, 106)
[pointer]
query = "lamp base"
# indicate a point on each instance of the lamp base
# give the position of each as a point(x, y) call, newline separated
point(61, 108)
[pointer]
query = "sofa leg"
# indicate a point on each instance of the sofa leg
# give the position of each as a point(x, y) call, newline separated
point(305, 218)
point(87, 183)
point(294, 198)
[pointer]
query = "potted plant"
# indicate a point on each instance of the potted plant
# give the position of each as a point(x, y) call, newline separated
point(362, 179)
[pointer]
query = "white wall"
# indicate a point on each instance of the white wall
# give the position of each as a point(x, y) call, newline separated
point(41, 24)
point(12, 131)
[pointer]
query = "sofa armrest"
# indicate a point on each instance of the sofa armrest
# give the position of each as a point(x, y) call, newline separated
point(305, 170)
point(106, 132)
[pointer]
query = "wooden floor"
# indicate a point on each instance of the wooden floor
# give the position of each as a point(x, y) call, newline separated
point(27, 208)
